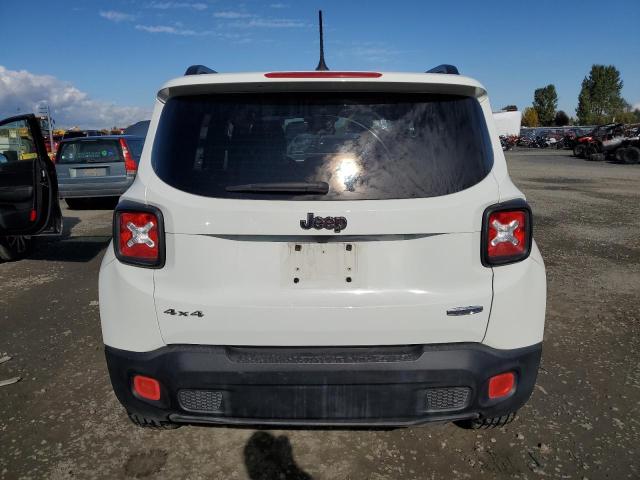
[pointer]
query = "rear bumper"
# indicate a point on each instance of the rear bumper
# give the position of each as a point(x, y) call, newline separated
point(360, 386)
point(90, 190)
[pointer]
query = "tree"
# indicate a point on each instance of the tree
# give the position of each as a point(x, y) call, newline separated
point(600, 100)
point(530, 117)
point(561, 119)
point(545, 101)
point(510, 108)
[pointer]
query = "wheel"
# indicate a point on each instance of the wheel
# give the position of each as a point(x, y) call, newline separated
point(631, 155)
point(153, 424)
point(486, 423)
point(15, 247)
point(578, 151)
point(597, 157)
point(76, 203)
point(620, 155)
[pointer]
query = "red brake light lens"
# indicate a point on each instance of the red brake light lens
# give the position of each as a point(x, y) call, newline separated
point(146, 387)
point(129, 164)
point(139, 236)
point(323, 74)
point(501, 385)
point(506, 236)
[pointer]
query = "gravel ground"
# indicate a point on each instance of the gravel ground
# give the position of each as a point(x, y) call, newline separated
point(63, 421)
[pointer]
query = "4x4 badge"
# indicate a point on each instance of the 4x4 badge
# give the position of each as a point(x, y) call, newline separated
point(330, 223)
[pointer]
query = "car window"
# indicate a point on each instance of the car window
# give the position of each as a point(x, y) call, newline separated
point(90, 151)
point(16, 142)
point(364, 145)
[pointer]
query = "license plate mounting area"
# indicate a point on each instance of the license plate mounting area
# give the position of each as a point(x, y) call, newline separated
point(314, 265)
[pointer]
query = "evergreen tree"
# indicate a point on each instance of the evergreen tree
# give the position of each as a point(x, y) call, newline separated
point(600, 99)
point(545, 102)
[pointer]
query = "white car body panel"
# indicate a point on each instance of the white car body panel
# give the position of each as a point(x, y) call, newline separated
point(519, 304)
point(245, 290)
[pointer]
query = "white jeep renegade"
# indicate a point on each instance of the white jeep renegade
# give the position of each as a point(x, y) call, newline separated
point(322, 248)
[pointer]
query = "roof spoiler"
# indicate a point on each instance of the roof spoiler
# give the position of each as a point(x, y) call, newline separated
point(198, 70)
point(445, 68)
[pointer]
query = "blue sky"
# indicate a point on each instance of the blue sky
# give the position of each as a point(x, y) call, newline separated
point(111, 57)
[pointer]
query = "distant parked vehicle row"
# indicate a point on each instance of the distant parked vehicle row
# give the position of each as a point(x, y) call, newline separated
point(614, 141)
point(96, 166)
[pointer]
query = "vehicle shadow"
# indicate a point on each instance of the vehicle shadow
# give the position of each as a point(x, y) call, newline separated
point(267, 457)
point(72, 249)
point(98, 203)
point(67, 248)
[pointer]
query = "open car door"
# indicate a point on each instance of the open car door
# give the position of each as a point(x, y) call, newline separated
point(28, 186)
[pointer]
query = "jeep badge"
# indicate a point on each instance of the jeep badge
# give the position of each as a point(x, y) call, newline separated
point(336, 224)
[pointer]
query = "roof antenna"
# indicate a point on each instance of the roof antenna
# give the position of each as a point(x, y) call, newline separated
point(321, 65)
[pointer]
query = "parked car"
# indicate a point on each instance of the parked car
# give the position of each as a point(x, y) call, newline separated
point(90, 167)
point(374, 267)
point(28, 189)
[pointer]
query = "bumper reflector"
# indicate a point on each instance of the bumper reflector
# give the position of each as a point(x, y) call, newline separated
point(146, 387)
point(502, 385)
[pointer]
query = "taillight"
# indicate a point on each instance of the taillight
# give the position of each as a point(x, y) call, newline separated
point(138, 235)
point(323, 74)
point(506, 233)
point(129, 164)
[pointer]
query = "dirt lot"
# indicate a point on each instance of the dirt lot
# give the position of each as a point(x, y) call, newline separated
point(63, 421)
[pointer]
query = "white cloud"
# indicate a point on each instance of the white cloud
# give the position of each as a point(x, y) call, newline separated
point(636, 106)
point(270, 23)
point(22, 91)
point(115, 16)
point(279, 5)
point(232, 15)
point(168, 5)
point(187, 32)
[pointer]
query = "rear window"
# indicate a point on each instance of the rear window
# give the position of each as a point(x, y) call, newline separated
point(365, 146)
point(90, 151)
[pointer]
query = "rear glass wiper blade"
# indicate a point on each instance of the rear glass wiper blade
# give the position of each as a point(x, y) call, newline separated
point(281, 187)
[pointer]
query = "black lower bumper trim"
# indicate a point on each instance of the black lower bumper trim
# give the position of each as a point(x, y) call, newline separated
point(315, 386)
point(279, 422)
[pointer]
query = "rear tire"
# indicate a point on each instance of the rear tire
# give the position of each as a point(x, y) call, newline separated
point(15, 247)
point(486, 423)
point(631, 155)
point(620, 155)
point(150, 423)
point(76, 203)
point(578, 151)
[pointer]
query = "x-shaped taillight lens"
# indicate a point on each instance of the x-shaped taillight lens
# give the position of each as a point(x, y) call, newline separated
point(507, 236)
point(138, 237)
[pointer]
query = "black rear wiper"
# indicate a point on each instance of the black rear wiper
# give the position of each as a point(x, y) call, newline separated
point(281, 187)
